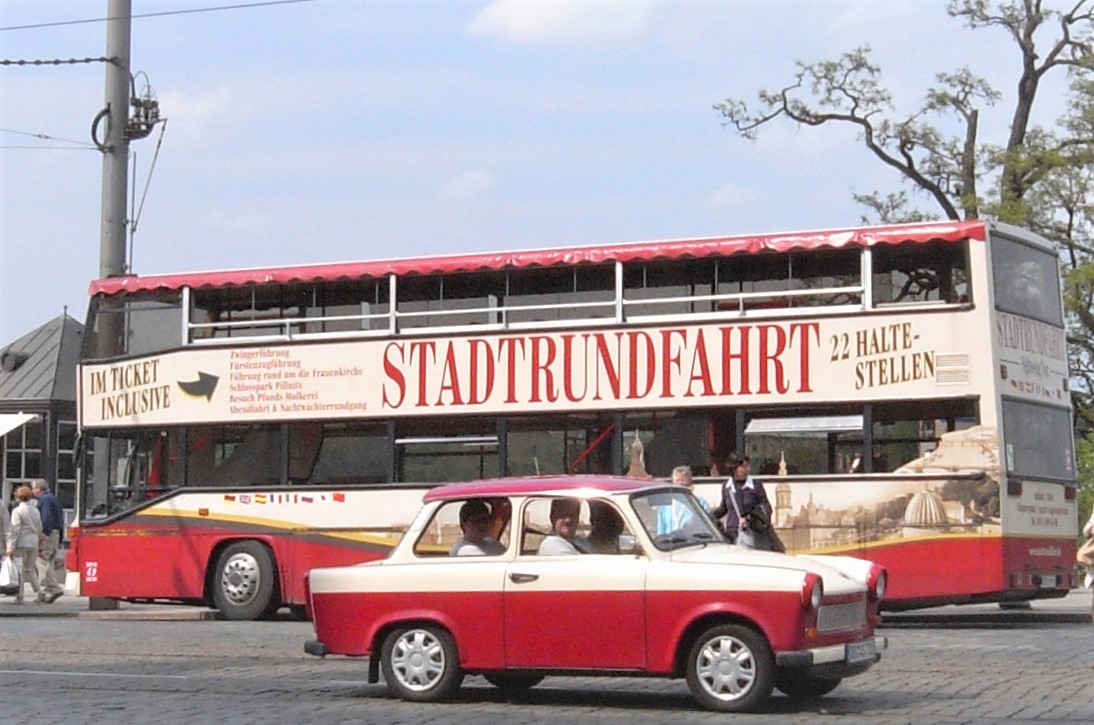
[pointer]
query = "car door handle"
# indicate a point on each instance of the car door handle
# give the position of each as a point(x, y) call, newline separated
point(523, 578)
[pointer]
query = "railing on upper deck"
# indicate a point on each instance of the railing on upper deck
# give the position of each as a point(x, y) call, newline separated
point(567, 314)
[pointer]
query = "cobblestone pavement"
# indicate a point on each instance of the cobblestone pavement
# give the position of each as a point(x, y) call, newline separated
point(947, 670)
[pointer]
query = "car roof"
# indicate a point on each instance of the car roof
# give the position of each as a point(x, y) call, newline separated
point(534, 485)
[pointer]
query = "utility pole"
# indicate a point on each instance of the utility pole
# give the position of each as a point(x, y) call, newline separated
point(115, 145)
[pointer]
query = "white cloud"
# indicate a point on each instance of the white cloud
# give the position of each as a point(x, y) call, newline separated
point(468, 185)
point(196, 113)
point(564, 22)
point(732, 197)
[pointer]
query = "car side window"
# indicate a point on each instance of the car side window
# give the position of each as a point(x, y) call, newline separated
point(596, 526)
point(536, 525)
point(608, 530)
point(466, 527)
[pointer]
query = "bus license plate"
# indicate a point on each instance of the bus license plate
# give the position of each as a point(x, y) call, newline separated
point(860, 651)
point(1048, 582)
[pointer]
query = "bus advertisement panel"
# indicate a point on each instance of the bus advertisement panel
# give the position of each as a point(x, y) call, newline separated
point(772, 363)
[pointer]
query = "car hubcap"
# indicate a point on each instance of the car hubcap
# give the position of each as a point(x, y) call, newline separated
point(726, 668)
point(240, 579)
point(418, 660)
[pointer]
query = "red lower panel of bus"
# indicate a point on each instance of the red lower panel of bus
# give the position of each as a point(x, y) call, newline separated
point(144, 560)
point(149, 560)
point(937, 570)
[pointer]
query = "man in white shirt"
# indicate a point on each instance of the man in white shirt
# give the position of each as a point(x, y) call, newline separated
point(565, 513)
point(474, 519)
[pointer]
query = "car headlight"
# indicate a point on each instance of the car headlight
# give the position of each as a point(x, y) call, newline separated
point(878, 582)
point(812, 591)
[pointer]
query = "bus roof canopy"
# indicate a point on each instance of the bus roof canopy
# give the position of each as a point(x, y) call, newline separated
point(944, 231)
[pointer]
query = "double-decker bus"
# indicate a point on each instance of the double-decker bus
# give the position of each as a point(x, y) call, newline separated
point(902, 390)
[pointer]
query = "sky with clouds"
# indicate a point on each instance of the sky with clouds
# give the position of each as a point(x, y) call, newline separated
point(339, 130)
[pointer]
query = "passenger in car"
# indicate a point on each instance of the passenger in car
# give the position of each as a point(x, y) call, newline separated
point(474, 518)
point(675, 514)
point(606, 525)
point(563, 537)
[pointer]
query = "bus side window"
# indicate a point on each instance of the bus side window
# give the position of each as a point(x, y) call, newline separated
point(305, 440)
point(252, 460)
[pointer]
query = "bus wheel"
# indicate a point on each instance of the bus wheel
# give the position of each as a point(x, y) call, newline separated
point(245, 582)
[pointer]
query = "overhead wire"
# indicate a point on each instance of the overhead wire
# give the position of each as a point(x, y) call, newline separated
point(85, 145)
point(162, 13)
point(60, 23)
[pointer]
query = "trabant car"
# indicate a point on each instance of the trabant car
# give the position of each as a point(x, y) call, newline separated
point(656, 591)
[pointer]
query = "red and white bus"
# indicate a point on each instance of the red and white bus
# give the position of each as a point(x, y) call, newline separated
point(903, 391)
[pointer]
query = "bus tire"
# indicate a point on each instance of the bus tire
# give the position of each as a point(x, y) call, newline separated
point(245, 582)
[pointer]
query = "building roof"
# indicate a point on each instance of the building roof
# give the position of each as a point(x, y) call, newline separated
point(41, 365)
point(921, 233)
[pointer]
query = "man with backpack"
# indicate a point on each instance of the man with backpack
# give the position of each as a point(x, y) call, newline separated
point(53, 528)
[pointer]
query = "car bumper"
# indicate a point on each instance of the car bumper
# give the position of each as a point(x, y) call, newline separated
point(315, 648)
point(837, 660)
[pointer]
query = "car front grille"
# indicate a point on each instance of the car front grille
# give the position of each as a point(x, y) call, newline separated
point(835, 617)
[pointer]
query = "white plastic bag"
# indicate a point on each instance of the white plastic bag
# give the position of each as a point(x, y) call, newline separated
point(10, 570)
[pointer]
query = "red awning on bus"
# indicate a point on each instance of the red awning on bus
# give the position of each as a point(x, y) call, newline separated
point(946, 231)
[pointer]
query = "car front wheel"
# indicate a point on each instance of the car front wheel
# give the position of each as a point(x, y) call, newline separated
point(421, 664)
point(730, 669)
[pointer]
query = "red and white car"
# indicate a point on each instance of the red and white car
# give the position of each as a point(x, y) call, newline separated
point(670, 599)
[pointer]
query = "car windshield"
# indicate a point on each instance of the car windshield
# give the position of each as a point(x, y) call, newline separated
point(674, 518)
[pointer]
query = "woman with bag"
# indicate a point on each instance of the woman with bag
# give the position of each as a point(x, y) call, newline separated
point(9, 576)
point(747, 509)
point(23, 540)
point(1088, 532)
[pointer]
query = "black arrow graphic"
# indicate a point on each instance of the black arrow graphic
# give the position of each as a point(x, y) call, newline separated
point(204, 385)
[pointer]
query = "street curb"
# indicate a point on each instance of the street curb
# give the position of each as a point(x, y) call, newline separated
point(6, 614)
point(78, 607)
point(987, 619)
point(166, 614)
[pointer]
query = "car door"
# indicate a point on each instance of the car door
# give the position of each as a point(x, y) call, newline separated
point(578, 611)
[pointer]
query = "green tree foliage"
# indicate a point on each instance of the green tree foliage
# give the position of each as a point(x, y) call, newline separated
point(1040, 178)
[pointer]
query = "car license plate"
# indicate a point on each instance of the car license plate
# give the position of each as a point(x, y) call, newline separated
point(1048, 581)
point(860, 651)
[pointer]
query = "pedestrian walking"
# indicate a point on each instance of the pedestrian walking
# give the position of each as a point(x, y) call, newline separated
point(10, 574)
point(1088, 582)
point(53, 528)
point(24, 539)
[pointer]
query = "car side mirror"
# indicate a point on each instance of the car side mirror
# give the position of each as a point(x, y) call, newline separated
point(628, 544)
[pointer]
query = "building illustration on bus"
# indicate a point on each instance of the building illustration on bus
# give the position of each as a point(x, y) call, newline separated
point(902, 390)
